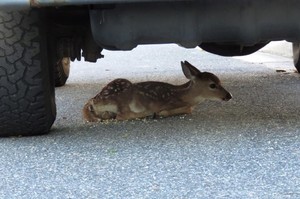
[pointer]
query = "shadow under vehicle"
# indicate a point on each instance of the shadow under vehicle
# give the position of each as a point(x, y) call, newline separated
point(39, 38)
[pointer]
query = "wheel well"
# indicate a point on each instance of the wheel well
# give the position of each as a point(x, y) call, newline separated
point(69, 29)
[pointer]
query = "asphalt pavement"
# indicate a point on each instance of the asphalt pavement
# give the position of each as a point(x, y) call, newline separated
point(248, 147)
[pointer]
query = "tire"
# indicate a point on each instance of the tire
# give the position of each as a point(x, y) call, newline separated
point(27, 99)
point(296, 56)
point(62, 71)
point(231, 49)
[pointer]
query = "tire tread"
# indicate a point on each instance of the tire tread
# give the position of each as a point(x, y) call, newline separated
point(24, 106)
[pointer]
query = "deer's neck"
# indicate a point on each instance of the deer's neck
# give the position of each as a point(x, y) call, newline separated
point(184, 88)
point(189, 93)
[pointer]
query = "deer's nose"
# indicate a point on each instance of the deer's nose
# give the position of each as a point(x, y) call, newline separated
point(227, 97)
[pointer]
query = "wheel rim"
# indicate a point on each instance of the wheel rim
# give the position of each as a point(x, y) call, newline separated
point(65, 62)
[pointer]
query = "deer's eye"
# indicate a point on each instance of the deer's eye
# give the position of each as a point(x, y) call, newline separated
point(213, 86)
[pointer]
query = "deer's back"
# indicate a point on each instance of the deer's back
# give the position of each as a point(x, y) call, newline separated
point(157, 95)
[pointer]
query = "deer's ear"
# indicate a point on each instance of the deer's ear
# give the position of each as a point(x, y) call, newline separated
point(190, 71)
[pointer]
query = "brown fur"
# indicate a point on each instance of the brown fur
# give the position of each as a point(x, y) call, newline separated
point(123, 100)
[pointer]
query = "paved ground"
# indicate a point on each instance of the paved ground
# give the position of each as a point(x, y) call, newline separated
point(246, 148)
point(281, 48)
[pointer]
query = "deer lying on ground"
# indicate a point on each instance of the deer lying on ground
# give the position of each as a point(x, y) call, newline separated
point(123, 100)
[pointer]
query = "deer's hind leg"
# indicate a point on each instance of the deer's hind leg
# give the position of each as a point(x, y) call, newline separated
point(128, 112)
point(131, 115)
point(176, 111)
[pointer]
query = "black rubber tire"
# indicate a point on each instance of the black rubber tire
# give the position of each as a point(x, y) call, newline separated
point(230, 50)
point(296, 56)
point(62, 71)
point(27, 98)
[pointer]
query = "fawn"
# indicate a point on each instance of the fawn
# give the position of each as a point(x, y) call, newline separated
point(123, 100)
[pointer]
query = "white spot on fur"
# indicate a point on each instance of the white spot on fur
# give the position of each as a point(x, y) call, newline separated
point(135, 108)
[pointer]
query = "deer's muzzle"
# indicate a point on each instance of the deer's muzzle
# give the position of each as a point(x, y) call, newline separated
point(227, 97)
